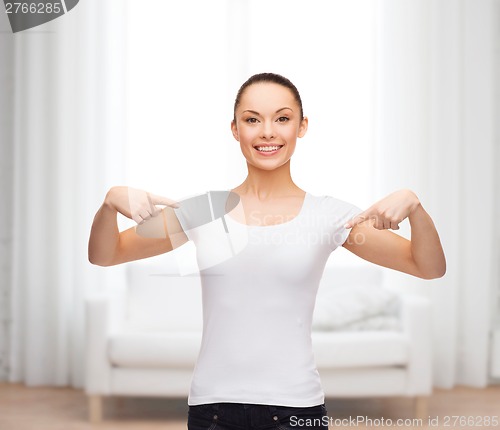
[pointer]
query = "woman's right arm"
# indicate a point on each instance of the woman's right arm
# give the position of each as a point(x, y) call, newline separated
point(108, 246)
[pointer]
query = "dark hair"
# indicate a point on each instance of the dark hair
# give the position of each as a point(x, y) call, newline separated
point(273, 78)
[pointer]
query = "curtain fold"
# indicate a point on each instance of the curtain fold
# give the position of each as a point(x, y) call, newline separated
point(68, 150)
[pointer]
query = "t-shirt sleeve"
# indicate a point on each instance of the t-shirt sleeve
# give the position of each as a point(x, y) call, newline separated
point(203, 209)
point(337, 213)
point(194, 212)
point(184, 214)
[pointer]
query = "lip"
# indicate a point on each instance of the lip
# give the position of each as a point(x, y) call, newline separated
point(267, 153)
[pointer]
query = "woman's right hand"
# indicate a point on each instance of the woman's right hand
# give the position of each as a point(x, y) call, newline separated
point(136, 204)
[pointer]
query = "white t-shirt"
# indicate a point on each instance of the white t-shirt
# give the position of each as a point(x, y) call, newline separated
point(258, 302)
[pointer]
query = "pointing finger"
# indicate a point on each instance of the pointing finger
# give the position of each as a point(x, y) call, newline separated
point(160, 200)
point(358, 219)
point(151, 205)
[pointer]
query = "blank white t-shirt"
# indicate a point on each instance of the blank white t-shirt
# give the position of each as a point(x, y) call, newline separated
point(258, 302)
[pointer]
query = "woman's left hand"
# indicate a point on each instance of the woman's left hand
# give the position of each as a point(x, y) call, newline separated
point(388, 212)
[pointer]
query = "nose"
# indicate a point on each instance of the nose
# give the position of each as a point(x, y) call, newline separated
point(267, 131)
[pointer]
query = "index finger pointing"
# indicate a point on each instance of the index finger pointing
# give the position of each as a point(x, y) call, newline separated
point(358, 219)
point(159, 200)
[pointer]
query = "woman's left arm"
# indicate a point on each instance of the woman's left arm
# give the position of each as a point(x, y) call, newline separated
point(371, 239)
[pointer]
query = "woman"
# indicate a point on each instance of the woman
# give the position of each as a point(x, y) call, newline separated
point(256, 368)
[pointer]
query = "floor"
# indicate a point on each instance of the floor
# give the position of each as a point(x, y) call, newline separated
point(23, 408)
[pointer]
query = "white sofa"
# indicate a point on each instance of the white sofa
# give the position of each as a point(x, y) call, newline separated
point(145, 341)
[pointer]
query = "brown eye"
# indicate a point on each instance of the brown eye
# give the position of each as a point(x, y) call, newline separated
point(251, 120)
point(283, 119)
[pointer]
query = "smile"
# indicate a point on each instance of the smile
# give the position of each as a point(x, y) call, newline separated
point(268, 148)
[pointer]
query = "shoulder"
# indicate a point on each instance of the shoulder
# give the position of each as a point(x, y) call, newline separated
point(330, 215)
point(333, 206)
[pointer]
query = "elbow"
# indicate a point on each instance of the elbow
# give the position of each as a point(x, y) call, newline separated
point(99, 257)
point(99, 262)
point(95, 262)
point(434, 273)
point(443, 271)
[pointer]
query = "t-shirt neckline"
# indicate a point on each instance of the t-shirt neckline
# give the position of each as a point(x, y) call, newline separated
point(299, 214)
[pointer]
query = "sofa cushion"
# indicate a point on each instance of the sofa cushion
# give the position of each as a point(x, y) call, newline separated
point(360, 349)
point(331, 349)
point(154, 349)
point(356, 307)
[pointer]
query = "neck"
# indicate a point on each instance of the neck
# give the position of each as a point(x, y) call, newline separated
point(264, 184)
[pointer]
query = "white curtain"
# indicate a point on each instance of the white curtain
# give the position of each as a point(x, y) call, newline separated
point(67, 149)
point(436, 134)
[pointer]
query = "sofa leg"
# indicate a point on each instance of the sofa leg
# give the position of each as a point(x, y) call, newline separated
point(95, 409)
point(420, 407)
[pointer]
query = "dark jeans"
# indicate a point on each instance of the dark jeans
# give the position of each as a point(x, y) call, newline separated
point(238, 416)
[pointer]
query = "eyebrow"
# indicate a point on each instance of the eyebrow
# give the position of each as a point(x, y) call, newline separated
point(257, 113)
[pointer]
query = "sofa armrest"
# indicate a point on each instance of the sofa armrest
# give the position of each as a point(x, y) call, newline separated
point(416, 322)
point(103, 316)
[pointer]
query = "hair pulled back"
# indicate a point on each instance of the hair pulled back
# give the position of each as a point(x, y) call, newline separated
point(272, 78)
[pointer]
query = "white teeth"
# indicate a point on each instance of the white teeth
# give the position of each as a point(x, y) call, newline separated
point(267, 148)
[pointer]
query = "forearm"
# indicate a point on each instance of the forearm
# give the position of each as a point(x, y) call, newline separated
point(104, 235)
point(426, 249)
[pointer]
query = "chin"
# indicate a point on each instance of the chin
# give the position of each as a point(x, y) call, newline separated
point(269, 166)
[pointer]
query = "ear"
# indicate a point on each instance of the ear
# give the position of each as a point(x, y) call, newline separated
point(234, 130)
point(303, 127)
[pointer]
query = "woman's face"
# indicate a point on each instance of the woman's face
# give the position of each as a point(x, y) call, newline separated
point(267, 125)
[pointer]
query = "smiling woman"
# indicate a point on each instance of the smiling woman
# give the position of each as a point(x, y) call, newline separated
point(268, 136)
point(256, 365)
